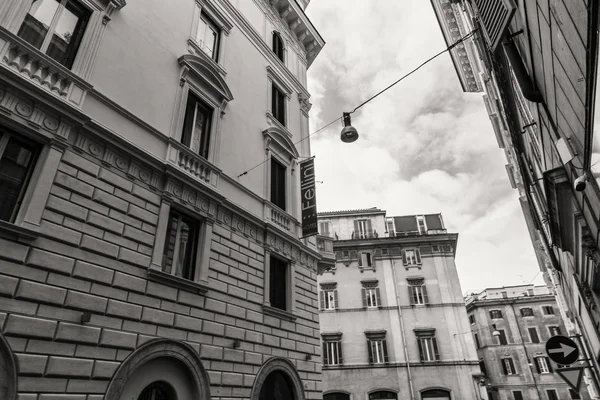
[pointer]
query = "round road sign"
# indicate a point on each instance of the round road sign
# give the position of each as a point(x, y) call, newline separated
point(562, 350)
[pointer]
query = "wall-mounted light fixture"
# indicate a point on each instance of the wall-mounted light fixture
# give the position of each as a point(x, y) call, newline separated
point(236, 343)
point(307, 357)
point(495, 332)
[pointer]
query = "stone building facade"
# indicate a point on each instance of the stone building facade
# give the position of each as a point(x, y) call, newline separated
point(393, 319)
point(514, 362)
point(137, 261)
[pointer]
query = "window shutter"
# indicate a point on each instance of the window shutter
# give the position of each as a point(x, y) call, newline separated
point(325, 358)
point(335, 297)
point(424, 290)
point(549, 364)
point(378, 297)
point(370, 352)
point(369, 229)
point(364, 296)
point(339, 348)
point(435, 348)
point(537, 365)
point(420, 349)
point(404, 257)
point(355, 229)
point(411, 295)
point(385, 351)
point(369, 259)
point(377, 253)
point(512, 365)
point(418, 255)
point(322, 297)
point(494, 16)
point(502, 361)
point(360, 262)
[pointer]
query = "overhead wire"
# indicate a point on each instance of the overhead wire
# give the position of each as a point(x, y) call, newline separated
point(467, 36)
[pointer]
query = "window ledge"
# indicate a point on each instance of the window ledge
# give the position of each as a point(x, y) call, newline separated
point(197, 50)
point(162, 277)
point(19, 231)
point(276, 312)
point(274, 121)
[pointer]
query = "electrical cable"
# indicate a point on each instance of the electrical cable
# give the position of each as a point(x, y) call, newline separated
point(467, 36)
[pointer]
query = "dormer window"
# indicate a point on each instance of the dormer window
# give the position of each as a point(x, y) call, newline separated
point(55, 28)
point(208, 36)
point(278, 48)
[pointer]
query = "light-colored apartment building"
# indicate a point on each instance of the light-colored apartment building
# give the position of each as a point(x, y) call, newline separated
point(393, 318)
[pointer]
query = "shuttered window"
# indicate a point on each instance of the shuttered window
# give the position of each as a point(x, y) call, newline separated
point(542, 365)
point(332, 352)
point(329, 299)
point(554, 330)
point(418, 294)
point(411, 257)
point(508, 366)
point(428, 348)
point(377, 349)
point(371, 297)
point(533, 335)
point(494, 17)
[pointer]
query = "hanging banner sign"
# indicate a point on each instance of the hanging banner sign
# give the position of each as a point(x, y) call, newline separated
point(308, 198)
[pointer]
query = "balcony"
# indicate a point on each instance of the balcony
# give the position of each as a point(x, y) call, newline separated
point(29, 63)
point(418, 233)
point(325, 247)
point(364, 235)
point(192, 164)
point(281, 219)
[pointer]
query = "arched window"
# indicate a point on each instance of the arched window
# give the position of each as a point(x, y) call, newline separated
point(383, 395)
point(157, 391)
point(278, 45)
point(277, 386)
point(336, 396)
point(435, 394)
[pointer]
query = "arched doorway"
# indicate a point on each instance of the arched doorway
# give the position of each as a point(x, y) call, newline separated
point(435, 394)
point(277, 379)
point(336, 396)
point(277, 386)
point(383, 395)
point(161, 369)
point(8, 371)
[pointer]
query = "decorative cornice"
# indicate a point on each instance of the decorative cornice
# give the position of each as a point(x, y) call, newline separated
point(286, 247)
point(206, 72)
point(305, 105)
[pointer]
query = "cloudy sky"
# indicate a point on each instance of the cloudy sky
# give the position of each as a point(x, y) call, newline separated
point(424, 147)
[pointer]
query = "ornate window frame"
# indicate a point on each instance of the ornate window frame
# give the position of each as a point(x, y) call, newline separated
point(201, 78)
point(290, 312)
point(52, 133)
point(273, 78)
point(279, 146)
point(222, 21)
point(14, 12)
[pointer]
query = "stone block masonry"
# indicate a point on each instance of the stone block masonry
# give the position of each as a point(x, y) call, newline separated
point(97, 234)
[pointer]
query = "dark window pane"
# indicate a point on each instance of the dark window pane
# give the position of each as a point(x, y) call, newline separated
point(157, 391)
point(37, 22)
point(435, 394)
point(517, 395)
point(278, 283)
point(278, 45)
point(382, 395)
point(574, 395)
point(277, 386)
point(278, 188)
point(534, 335)
point(16, 164)
point(552, 394)
point(68, 33)
point(502, 337)
point(336, 396)
point(278, 104)
point(179, 255)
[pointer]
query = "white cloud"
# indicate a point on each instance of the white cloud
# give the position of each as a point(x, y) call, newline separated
point(424, 147)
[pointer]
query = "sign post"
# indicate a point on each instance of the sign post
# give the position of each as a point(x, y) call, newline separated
point(308, 198)
point(564, 351)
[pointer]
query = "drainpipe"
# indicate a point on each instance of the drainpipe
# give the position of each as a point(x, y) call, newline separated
point(529, 360)
point(402, 333)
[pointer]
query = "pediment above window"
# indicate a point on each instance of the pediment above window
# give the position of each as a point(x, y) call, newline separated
point(282, 139)
point(207, 73)
point(424, 331)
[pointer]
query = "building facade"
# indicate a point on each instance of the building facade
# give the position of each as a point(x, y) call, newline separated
point(393, 319)
point(510, 326)
point(536, 63)
point(137, 260)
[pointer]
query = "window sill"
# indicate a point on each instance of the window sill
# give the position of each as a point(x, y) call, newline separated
point(276, 312)
point(197, 50)
point(162, 277)
point(19, 231)
point(274, 121)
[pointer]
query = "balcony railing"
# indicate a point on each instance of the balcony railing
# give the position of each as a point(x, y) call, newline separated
point(325, 247)
point(418, 233)
point(40, 70)
point(193, 164)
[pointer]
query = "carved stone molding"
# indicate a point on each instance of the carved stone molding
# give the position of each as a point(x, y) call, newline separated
point(289, 250)
point(305, 105)
point(113, 5)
